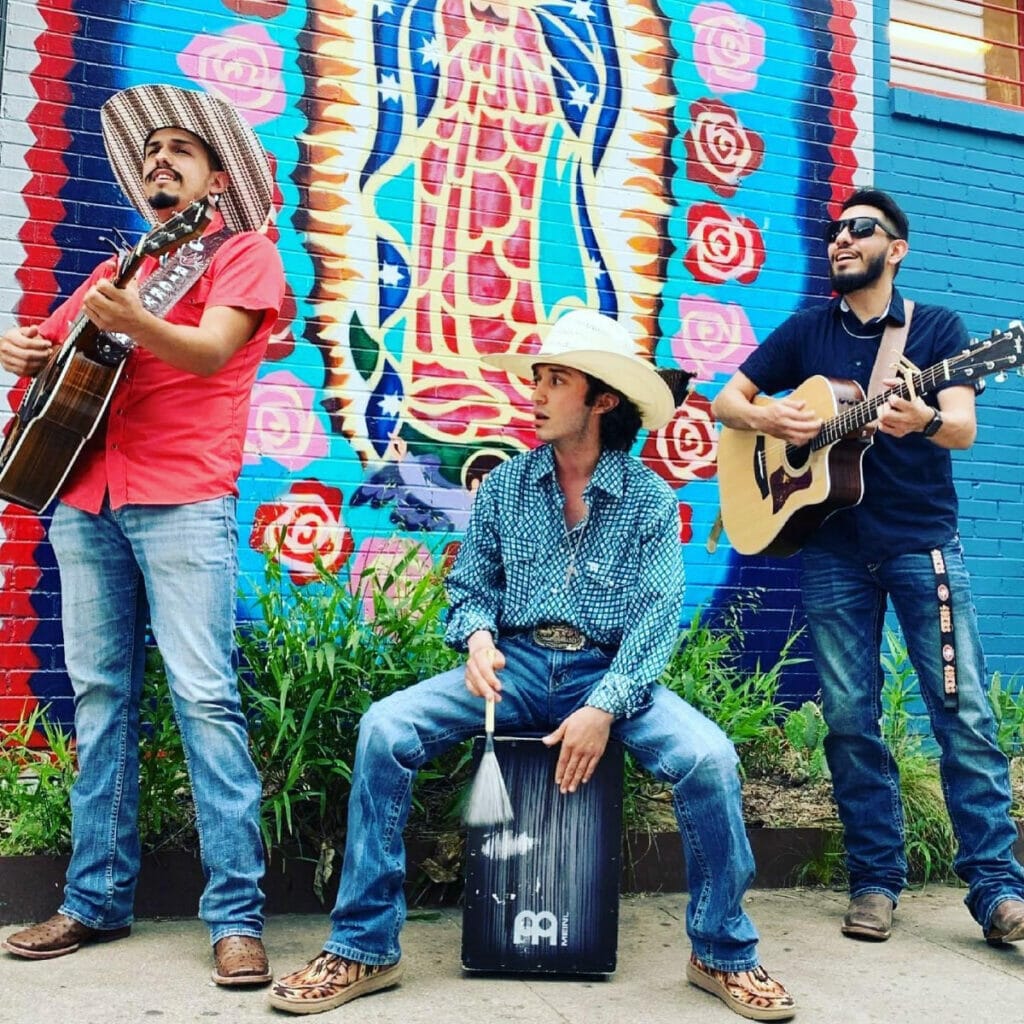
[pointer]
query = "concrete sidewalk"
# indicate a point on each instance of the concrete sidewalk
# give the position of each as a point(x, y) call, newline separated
point(936, 968)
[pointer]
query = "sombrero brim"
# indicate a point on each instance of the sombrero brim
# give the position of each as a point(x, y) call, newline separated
point(131, 116)
point(631, 375)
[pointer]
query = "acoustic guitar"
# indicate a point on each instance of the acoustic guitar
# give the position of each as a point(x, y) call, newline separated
point(66, 401)
point(775, 495)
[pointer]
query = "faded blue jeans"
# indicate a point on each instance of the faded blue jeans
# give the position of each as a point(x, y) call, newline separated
point(540, 688)
point(845, 603)
point(178, 566)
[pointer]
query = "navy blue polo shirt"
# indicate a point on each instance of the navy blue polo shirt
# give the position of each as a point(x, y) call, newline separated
point(909, 501)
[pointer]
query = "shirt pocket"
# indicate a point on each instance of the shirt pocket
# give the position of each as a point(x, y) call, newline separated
point(519, 557)
point(607, 581)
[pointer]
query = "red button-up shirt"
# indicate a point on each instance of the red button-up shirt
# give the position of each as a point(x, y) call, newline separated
point(171, 437)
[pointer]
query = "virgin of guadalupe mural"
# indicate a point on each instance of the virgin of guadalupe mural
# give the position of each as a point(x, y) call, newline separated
point(490, 196)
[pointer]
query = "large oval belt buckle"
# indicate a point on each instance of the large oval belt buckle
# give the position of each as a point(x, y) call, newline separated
point(559, 636)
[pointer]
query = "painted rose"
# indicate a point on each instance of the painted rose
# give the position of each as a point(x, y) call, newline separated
point(282, 424)
point(714, 337)
point(720, 152)
point(685, 523)
point(727, 48)
point(242, 66)
point(304, 527)
point(387, 568)
point(685, 449)
point(722, 247)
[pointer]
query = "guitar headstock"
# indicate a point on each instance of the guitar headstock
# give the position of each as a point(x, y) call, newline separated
point(999, 352)
point(185, 224)
point(180, 228)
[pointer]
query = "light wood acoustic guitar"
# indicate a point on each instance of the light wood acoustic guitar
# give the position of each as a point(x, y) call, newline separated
point(66, 401)
point(775, 494)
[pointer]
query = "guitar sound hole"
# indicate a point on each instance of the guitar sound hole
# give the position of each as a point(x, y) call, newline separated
point(798, 455)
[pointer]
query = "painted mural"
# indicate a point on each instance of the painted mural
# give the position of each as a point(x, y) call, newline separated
point(451, 175)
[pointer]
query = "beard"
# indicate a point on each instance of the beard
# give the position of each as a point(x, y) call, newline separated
point(162, 201)
point(851, 282)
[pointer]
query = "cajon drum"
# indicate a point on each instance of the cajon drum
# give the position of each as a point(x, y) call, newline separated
point(542, 893)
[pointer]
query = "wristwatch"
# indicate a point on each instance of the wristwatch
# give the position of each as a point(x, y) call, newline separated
point(934, 425)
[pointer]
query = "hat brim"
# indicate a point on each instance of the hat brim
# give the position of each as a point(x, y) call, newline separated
point(130, 117)
point(634, 377)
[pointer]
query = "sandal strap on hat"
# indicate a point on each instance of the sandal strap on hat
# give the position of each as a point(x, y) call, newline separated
point(752, 994)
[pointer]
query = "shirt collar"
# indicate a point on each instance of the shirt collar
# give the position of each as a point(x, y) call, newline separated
point(608, 474)
point(894, 312)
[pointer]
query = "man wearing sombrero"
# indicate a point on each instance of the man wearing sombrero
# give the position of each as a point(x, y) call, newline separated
point(145, 531)
point(570, 575)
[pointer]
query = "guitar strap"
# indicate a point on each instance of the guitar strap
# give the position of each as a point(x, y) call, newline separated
point(890, 350)
point(172, 279)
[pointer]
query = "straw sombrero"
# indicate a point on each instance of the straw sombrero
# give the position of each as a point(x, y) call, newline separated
point(596, 344)
point(131, 116)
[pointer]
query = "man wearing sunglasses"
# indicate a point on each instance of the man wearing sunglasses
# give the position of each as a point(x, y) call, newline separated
point(899, 543)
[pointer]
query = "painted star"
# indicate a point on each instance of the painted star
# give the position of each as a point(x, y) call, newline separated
point(385, 7)
point(430, 52)
point(390, 275)
point(390, 91)
point(582, 9)
point(580, 97)
point(391, 405)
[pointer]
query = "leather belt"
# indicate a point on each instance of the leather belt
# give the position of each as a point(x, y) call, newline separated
point(559, 636)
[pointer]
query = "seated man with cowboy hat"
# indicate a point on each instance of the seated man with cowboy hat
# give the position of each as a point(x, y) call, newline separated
point(566, 596)
point(145, 531)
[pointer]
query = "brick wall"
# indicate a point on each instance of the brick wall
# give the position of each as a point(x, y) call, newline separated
point(447, 179)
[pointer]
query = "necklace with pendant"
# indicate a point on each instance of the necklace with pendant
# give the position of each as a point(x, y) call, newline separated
point(574, 541)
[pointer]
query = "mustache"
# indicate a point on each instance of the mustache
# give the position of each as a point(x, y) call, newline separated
point(163, 170)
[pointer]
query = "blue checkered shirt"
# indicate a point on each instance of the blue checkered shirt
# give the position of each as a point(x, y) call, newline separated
point(624, 587)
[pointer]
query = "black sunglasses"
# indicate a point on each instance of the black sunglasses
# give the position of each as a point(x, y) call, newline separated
point(859, 227)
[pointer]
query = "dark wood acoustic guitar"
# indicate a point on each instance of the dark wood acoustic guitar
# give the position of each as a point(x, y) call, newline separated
point(775, 494)
point(66, 401)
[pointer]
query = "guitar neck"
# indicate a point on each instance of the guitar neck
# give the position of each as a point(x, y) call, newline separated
point(856, 417)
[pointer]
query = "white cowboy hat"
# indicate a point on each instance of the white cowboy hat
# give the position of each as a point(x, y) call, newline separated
point(593, 343)
point(131, 116)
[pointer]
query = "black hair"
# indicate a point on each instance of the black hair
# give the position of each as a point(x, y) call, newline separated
point(619, 425)
point(886, 205)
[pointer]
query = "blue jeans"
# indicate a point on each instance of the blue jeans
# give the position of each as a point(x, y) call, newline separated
point(179, 565)
point(845, 603)
point(541, 687)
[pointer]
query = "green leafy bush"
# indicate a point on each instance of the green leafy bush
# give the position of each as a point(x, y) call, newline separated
point(311, 666)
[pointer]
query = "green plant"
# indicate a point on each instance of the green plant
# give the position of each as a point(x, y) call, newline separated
point(805, 732)
point(311, 666)
point(930, 843)
point(37, 768)
point(706, 671)
point(1008, 707)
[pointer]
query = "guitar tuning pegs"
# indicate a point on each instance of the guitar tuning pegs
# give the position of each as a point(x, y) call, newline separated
point(1000, 377)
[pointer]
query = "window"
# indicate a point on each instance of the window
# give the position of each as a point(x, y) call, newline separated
point(971, 49)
